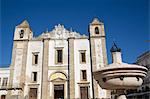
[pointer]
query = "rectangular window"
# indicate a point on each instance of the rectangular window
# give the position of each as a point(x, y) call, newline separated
point(84, 77)
point(35, 58)
point(59, 56)
point(82, 56)
point(5, 81)
point(34, 76)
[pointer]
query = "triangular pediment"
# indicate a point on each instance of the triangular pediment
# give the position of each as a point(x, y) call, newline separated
point(96, 22)
point(24, 24)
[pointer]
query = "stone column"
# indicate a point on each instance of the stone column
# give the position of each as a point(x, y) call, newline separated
point(44, 84)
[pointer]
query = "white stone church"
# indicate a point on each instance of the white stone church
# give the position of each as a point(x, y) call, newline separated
point(57, 64)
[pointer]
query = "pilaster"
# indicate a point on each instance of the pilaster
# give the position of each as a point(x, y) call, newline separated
point(44, 93)
point(71, 68)
point(94, 66)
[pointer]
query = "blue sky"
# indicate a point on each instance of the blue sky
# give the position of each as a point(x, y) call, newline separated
point(126, 21)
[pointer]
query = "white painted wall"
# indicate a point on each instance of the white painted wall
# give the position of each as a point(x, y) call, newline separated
point(4, 73)
point(34, 46)
point(53, 45)
point(81, 44)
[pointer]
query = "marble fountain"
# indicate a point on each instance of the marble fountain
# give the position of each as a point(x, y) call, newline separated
point(120, 76)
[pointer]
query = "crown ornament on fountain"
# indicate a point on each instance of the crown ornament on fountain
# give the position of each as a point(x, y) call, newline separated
point(116, 54)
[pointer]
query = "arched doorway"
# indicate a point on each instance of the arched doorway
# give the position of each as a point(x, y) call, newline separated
point(58, 85)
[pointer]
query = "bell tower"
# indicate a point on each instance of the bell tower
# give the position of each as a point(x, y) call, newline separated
point(22, 35)
point(96, 28)
point(23, 31)
point(98, 43)
point(98, 52)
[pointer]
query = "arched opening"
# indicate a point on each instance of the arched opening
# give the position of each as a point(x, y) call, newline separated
point(58, 76)
point(96, 30)
point(58, 80)
point(21, 33)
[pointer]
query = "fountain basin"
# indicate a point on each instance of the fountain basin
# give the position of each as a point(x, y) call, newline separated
point(120, 76)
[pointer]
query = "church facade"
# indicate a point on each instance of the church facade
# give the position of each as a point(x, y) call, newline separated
point(57, 64)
